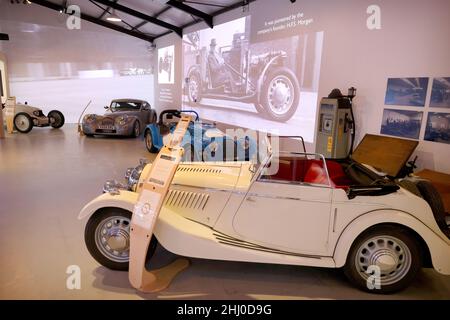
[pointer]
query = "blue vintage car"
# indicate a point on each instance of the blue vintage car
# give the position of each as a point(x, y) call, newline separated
point(202, 141)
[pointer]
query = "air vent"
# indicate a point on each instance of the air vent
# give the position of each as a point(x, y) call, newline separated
point(197, 170)
point(188, 200)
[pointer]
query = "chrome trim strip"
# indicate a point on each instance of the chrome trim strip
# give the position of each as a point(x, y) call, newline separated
point(225, 239)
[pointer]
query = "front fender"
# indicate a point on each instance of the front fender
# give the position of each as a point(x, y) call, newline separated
point(439, 248)
point(124, 200)
point(156, 137)
point(263, 74)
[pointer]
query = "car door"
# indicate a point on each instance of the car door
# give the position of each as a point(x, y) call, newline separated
point(290, 209)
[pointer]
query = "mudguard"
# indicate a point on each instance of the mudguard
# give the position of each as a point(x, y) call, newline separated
point(124, 200)
point(156, 137)
point(438, 244)
point(263, 74)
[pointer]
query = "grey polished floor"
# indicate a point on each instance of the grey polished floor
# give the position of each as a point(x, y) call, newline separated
point(48, 175)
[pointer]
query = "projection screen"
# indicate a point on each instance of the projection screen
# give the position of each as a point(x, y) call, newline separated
point(241, 75)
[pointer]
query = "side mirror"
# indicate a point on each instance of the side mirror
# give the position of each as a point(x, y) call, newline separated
point(106, 107)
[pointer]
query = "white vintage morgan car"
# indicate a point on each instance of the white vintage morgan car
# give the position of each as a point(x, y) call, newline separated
point(309, 212)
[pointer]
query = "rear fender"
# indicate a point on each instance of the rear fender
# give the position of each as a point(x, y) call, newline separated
point(438, 247)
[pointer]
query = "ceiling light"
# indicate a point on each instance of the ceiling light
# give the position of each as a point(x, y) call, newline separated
point(113, 17)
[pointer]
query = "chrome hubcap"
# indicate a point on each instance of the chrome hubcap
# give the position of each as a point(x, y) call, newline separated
point(112, 238)
point(22, 122)
point(280, 94)
point(391, 255)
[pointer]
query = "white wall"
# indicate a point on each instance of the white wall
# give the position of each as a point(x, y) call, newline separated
point(413, 42)
point(52, 67)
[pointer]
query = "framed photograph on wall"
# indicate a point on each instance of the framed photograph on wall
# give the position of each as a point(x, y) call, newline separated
point(406, 92)
point(438, 127)
point(440, 93)
point(401, 123)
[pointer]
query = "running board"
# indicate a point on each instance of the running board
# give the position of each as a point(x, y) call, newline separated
point(245, 99)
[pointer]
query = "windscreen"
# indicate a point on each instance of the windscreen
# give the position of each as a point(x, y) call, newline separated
point(125, 105)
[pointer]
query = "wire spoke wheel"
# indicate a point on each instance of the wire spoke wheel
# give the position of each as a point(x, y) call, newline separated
point(193, 89)
point(148, 141)
point(136, 129)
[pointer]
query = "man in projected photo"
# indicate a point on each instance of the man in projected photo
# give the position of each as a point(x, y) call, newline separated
point(220, 75)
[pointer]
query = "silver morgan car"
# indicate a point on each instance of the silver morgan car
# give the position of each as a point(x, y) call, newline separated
point(123, 117)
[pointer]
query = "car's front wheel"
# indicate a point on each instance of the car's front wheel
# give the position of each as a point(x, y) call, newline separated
point(194, 88)
point(149, 142)
point(23, 122)
point(56, 119)
point(136, 129)
point(107, 237)
point(384, 259)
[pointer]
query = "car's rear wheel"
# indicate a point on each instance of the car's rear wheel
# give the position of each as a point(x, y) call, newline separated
point(280, 94)
point(107, 237)
point(23, 122)
point(384, 259)
point(136, 129)
point(56, 119)
point(149, 142)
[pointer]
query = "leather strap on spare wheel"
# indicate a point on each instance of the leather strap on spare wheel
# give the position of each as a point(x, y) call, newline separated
point(148, 206)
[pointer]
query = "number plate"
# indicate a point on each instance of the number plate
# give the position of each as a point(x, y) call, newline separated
point(106, 127)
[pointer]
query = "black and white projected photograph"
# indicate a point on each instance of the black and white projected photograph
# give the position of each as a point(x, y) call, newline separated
point(401, 123)
point(440, 93)
point(270, 86)
point(438, 127)
point(406, 91)
point(166, 67)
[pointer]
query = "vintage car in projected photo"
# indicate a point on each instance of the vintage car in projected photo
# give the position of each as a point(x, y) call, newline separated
point(235, 73)
point(165, 64)
point(293, 208)
point(26, 117)
point(203, 141)
point(123, 117)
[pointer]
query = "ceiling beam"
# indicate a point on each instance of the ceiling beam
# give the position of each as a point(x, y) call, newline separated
point(236, 5)
point(144, 22)
point(59, 8)
point(105, 11)
point(142, 16)
point(192, 11)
